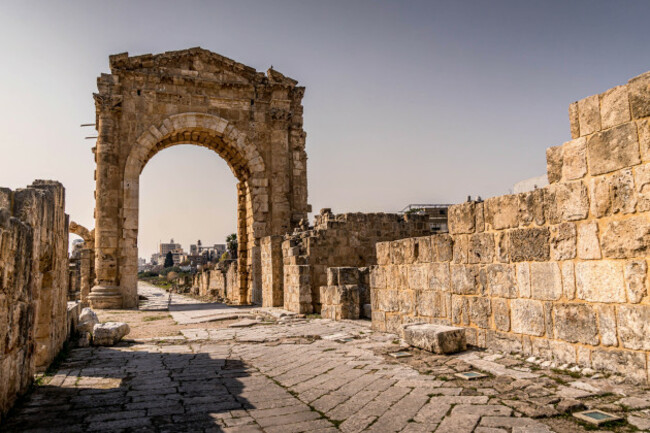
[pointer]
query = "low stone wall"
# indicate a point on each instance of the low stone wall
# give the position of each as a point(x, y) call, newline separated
point(221, 282)
point(346, 292)
point(336, 241)
point(33, 297)
point(559, 272)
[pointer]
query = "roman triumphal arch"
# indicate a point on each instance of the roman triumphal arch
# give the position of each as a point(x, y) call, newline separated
point(251, 119)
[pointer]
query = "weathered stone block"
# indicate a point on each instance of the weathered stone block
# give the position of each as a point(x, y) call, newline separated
point(527, 317)
point(563, 241)
point(613, 149)
point(634, 326)
point(639, 96)
point(574, 120)
point(642, 183)
point(431, 304)
point(502, 342)
point(407, 301)
point(600, 281)
point(643, 130)
point(109, 333)
point(459, 310)
point(626, 238)
point(417, 276)
point(614, 107)
point(635, 273)
point(443, 247)
point(523, 279)
point(568, 280)
point(461, 246)
point(531, 207)
point(480, 311)
point(435, 338)
point(601, 204)
point(501, 312)
point(629, 364)
point(462, 218)
point(545, 281)
point(502, 281)
point(423, 245)
point(554, 163)
point(622, 192)
point(439, 277)
point(574, 159)
point(383, 253)
point(481, 248)
point(576, 323)
point(529, 244)
point(378, 277)
point(463, 280)
point(571, 201)
point(501, 245)
point(502, 212)
point(607, 324)
point(589, 115)
point(588, 244)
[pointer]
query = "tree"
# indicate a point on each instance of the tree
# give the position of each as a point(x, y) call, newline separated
point(231, 245)
point(169, 260)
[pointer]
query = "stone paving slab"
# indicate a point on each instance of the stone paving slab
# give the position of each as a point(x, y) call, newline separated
point(301, 375)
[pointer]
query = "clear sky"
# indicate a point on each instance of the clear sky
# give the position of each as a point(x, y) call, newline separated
point(407, 101)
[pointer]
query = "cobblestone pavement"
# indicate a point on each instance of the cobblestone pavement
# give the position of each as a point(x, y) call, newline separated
point(315, 375)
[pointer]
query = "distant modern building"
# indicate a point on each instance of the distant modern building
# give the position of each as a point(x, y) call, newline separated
point(163, 249)
point(437, 215)
point(530, 184)
point(210, 253)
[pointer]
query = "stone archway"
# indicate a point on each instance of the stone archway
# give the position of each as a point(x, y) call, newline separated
point(250, 119)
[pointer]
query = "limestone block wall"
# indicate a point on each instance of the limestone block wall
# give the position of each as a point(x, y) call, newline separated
point(33, 290)
point(559, 272)
point(272, 271)
point(219, 283)
point(346, 291)
point(337, 241)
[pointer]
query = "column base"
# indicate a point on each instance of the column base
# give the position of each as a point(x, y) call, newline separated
point(105, 297)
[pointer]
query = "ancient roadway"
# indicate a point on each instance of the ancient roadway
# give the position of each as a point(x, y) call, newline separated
point(298, 375)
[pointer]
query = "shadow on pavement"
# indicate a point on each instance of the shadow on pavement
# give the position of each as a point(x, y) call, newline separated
point(120, 390)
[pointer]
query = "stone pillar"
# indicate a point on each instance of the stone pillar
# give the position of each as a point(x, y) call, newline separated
point(272, 271)
point(106, 293)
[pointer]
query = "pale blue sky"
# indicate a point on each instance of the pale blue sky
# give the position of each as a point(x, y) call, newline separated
point(406, 101)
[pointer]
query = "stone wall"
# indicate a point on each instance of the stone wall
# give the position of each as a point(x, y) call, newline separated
point(33, 294)
point(346, 293)
point(220, 282)
point(559, 272)
point(337, 241)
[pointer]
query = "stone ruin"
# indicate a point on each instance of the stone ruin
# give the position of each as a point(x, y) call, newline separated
point(35, 319)
point(559, 272)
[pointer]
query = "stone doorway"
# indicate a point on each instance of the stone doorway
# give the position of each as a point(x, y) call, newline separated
point(250, 119)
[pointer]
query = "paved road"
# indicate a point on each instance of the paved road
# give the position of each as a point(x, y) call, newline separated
point(306, 375)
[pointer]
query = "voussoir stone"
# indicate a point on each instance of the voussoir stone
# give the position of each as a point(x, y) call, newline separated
point(435, 338)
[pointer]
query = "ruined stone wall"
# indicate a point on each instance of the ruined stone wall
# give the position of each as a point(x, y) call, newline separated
point(559, 272)
point(33, 293)
point(221, 282)
point(337, 241)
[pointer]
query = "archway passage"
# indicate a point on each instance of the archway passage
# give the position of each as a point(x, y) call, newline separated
point(250, 119)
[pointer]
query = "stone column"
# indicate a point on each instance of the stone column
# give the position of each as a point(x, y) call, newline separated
point(106, 293)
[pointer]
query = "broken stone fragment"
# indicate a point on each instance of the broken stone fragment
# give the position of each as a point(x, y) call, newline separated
point(435, 338)
point(87, 321)
point(109, 333)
